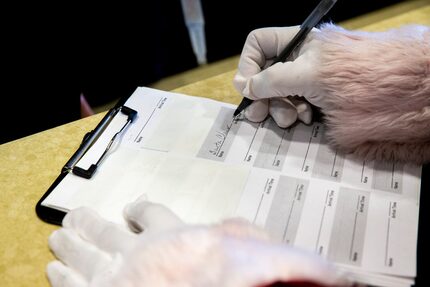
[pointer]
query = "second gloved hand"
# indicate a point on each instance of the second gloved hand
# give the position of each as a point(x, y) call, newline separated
point(283, 90)
point(159, 250)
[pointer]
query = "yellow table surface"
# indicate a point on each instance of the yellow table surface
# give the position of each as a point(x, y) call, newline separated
point(31, 164)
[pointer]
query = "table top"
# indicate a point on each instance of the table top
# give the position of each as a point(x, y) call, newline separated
point(31, 164)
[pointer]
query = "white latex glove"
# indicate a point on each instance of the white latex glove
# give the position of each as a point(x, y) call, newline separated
point(94, 252)
point(279, 90)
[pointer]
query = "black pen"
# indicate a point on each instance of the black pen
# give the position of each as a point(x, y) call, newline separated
point(311, 21)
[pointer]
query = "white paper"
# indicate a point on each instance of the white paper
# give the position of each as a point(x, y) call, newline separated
point(181, 151)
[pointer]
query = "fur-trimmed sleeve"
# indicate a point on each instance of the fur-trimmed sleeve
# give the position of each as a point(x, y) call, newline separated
point(378, 92)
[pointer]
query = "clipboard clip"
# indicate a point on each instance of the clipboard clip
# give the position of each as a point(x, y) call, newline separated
point(91, 137)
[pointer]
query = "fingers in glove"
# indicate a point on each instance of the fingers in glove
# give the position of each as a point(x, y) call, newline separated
point(261, 46)
point(304, 109)
point(283, 79)
point(60, 275)
point(257, 111)
point(143, 215)
point(283, 112)
point(78, 254)
point(270, 42)
point(105, 235)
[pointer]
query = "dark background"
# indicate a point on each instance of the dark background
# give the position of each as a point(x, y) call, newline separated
point(53, 53)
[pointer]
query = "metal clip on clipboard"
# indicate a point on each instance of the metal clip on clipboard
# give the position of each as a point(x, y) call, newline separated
point(91, 137)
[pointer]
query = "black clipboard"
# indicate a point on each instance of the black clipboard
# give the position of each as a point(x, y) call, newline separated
point(55, 216)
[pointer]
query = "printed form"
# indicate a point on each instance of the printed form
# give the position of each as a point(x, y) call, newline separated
point(183, 152)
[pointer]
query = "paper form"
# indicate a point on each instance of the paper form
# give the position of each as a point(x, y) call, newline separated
point(182, 152)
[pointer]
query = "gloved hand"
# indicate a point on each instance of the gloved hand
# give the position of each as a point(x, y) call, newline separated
point(280, 90)
point(160, 250)
point(371, 87)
